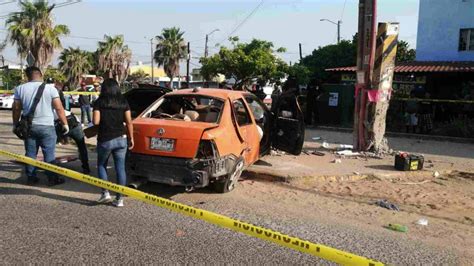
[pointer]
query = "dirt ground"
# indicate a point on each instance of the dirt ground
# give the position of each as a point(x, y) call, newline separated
point(443, 193)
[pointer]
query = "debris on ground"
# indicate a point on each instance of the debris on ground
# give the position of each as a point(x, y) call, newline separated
point(347, 153)
point(318, 153)
point(316, 138)
point(346, 146)
point(422, 221)
point(387, 205)
point(336, 161)
point(277, 153)
point(436, 174)
point(325, 145)
point(397, 227)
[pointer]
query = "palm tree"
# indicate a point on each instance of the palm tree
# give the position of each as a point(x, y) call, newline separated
point(32, 30)
point(171, 48)
point(74, 62)
point(114, 57)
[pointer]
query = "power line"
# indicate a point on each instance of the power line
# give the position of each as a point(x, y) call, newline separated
point(243, 21)
point(343, 8)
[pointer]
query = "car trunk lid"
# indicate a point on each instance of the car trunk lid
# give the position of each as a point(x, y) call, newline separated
point(186, 136)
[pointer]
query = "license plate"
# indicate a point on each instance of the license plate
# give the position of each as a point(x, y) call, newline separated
point(162, 144)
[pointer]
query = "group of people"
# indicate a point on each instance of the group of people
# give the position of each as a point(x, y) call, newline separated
point(50, 121)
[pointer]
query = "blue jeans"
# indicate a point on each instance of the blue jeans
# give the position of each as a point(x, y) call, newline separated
point(85, 111)
point(44, 137)
point(118, 149)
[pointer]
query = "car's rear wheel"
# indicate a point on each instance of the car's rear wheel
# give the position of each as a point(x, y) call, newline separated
point(230, 182)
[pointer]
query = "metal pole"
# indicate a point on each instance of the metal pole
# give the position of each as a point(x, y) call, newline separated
point(152, 65)
point(205, 47)
point(187, 65)
point(301, 53)
point(338, 31)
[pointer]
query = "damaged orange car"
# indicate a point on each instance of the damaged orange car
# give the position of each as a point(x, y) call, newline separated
point(200, 137)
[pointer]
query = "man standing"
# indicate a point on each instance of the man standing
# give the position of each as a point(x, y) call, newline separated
point(42, 132)
point(85, 104)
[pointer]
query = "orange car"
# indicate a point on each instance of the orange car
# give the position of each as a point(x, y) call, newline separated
point(200, 137)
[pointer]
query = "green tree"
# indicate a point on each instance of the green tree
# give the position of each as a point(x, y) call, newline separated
point(331, 56)
point(55, 74)
point(138, 76)
point(404, 53)
point(32, 30)
point(10, 78)
point(171, 48)
point(114, 57)
point(300, 72)
point(246, 63)
point(74, 63)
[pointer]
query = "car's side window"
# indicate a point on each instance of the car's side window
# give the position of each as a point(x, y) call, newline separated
point(255, 107)
point(243, 117)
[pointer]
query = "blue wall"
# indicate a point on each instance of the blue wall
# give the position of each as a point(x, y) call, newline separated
point(439, 23)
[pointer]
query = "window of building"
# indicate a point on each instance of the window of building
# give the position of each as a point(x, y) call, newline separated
point(466, 40)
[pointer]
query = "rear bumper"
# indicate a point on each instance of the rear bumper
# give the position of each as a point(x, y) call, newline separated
point(178, 171)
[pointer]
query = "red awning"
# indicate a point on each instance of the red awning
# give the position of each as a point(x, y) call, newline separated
point(422, 66)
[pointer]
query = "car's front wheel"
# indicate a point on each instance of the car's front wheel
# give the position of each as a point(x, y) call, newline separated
point(230, 182)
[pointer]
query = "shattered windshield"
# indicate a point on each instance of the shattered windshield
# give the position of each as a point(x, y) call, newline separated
point(196, 108)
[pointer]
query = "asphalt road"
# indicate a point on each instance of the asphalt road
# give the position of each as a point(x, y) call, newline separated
point(63, 224)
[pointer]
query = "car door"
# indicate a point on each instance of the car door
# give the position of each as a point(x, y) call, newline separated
point(139, 99)
point(263, 119)
point(247, 130)
point(288, 127)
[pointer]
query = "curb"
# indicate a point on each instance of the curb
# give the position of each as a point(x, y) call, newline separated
point(402, 135)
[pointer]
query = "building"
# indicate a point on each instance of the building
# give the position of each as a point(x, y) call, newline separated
point(158, 72)
point(445, 30)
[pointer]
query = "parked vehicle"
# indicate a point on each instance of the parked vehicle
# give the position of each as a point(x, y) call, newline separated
point(6, 101)
point(200, 137)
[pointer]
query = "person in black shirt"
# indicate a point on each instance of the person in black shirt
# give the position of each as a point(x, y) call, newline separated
point(75, 132)
point(85, 104)
point(111, 111)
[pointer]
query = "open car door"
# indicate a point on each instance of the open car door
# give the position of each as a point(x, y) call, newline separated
point(288, 126)
point(143, 96)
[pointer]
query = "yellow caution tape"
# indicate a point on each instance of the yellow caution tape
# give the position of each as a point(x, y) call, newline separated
point(298, 244)
point(66, 92)
point(80, 93)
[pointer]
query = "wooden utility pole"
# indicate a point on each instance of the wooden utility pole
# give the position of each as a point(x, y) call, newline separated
point(375, 66)
point(365, 61)
point(384, 65)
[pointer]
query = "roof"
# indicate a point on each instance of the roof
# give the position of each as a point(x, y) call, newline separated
point(218, 93)
point(422, 66)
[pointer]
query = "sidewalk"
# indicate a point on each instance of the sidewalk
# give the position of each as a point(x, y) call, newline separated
point(439, 156)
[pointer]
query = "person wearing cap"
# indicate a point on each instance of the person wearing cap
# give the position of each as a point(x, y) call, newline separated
point(85, 104)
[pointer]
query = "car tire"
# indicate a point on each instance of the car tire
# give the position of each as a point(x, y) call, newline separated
point(230, 182)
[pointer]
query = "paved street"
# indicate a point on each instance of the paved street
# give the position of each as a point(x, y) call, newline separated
point(63, 224)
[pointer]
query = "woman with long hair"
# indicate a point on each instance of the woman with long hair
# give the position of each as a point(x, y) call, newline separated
point(111, 111)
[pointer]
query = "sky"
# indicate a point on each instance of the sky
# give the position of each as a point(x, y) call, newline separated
point(286, 23)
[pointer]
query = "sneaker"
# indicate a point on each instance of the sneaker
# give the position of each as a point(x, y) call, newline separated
point(118, 203)
point(105, 198)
